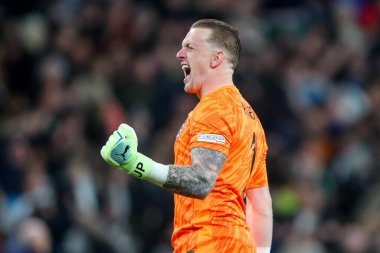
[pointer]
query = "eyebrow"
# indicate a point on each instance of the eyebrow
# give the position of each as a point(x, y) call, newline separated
point(187, 44)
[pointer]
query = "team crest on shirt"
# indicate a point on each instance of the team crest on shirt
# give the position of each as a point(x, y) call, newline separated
point(181, 129)
point(214, 138)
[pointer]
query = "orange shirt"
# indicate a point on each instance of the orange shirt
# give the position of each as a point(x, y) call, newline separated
point(225, 122)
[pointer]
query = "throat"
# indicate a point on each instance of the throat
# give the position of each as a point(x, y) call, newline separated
point(211, 87)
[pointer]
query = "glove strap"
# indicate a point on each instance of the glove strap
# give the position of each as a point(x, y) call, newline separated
point(263, 249)
point(147, 169)
point(141, 166)
point(158, 174)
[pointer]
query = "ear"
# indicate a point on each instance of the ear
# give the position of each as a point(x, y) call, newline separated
point(217, 59)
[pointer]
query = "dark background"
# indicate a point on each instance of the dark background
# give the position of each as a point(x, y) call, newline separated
point(72, 70)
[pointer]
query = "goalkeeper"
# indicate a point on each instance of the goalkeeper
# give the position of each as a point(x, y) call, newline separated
point(220, 154)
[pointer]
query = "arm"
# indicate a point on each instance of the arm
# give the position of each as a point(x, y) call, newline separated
point(198, 179)
point(260, 217)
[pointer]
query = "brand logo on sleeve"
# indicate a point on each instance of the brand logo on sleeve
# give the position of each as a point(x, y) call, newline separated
point(214, 138)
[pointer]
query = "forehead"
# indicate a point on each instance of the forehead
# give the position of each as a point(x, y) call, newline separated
point(197, 35)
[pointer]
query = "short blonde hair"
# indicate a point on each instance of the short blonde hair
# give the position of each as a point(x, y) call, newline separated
point(223, 35)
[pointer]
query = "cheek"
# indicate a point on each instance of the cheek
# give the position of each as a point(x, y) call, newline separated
point(200, 67)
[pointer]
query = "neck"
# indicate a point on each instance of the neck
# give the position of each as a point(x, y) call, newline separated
point(214, 83)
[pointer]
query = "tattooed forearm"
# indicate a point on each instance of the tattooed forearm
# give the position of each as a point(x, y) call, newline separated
point(196, 180)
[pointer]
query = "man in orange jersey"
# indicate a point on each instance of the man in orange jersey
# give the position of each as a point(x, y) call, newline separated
point(220, 154)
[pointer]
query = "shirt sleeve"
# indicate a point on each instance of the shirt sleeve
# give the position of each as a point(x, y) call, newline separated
point(212, 127)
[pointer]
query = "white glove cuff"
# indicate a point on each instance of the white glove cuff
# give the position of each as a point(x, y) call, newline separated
point(158, 174)
point(263, 249)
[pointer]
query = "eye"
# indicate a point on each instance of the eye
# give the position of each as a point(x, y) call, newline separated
point(189, 47)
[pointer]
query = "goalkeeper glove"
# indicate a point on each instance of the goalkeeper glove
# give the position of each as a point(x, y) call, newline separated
point(121, 151)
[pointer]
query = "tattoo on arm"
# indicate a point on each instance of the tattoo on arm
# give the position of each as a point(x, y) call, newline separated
point(198, 179)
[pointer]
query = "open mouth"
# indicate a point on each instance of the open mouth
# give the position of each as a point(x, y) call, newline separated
point(186, 71)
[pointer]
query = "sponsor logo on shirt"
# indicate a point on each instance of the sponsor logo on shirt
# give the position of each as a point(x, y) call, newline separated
point(214, 138)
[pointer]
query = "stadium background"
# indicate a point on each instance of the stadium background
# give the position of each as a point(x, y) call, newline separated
point(72, 70)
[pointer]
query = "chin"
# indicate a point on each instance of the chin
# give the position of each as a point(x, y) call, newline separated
point(188, 88)
point(192, 88)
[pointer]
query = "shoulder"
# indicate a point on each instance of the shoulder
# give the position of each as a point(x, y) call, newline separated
point(221, 103)
point(212, 108)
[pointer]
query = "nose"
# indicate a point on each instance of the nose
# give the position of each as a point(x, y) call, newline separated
point(181, 54)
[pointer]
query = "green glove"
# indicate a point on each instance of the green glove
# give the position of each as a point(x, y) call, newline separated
point(121, 151)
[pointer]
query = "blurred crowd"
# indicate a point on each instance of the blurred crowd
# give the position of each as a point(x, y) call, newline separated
point(72, 70)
